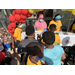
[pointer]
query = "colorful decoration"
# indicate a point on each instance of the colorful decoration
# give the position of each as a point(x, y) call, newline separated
point(18, 15)
point(72, 10)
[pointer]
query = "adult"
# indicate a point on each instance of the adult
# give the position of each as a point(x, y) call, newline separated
point(57, 22)
point(40, 24)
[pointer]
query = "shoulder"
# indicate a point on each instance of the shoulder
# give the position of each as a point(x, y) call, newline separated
point(58, 47)
point(52, 22)
point(45, 50)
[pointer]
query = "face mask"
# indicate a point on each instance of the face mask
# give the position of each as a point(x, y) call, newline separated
point(21, 26)
point(57, 20)
point(41, 20)
point(38, 58)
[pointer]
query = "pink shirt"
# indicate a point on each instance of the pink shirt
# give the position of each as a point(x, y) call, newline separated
point(40, 25)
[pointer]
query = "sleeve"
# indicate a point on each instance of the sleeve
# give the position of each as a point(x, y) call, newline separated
point(45, 25)
point(43, 59)
point(60, 24)
point(62, 50)
point(16, 33)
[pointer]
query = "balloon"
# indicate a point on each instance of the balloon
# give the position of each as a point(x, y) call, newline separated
point(70, 9)
point(29, 15)
point(11, 19)
point(13, 25)
point(9, 27)
point(18, 11)
point(23, 21)
point(73, 11)
point(31, 11)
point(24, 11)
point(23, 17)
point(10, 31)
point(63, 9)
point(17, 17)
point(13, 13)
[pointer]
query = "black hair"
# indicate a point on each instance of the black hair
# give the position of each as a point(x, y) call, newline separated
point(33, 49)
point(55, 16)
point(72, 25)
point(52, 27)
point(29, 30)
point(48, 37)
point(17, 23)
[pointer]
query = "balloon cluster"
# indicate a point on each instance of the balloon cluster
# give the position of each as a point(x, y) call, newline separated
point(33, 10)
point(18, 15)
point(72, 10)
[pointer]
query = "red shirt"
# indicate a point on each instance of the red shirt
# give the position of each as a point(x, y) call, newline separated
point(2, 56)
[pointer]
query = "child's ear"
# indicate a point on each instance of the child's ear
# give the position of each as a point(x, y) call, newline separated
point(34, 33)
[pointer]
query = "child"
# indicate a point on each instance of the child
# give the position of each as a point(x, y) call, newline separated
point(35, 52)
point(57, 37)
point(30, 38)
point(52, 28)
point(52, 54)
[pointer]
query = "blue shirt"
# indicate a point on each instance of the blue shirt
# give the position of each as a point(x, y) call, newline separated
point(53, 56)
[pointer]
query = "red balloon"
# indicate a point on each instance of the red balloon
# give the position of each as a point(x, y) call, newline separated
point(13, 13)
point(18, 11)
point(17, 17)
point(10, 31)
point(25, 11)
point(29, 15)
point(23, 17)
point(11, 19)
point(9, 27)
point(13, 25)
point(23, 21)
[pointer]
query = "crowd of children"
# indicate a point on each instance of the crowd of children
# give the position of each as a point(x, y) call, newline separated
point(32, 51)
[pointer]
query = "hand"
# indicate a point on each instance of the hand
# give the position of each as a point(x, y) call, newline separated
point(39, 35)
point(15, 40)
point(12, 46)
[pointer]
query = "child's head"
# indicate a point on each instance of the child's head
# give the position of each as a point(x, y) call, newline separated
point(48, 37)
point(30, 30)
point(57, 17)
point(35, 49)
point(52, 27)
point(18, 24)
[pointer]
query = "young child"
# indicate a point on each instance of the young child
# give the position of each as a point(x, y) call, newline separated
point(52, 54)
point(52, 28)
point(35, 52)
point(30, 32)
